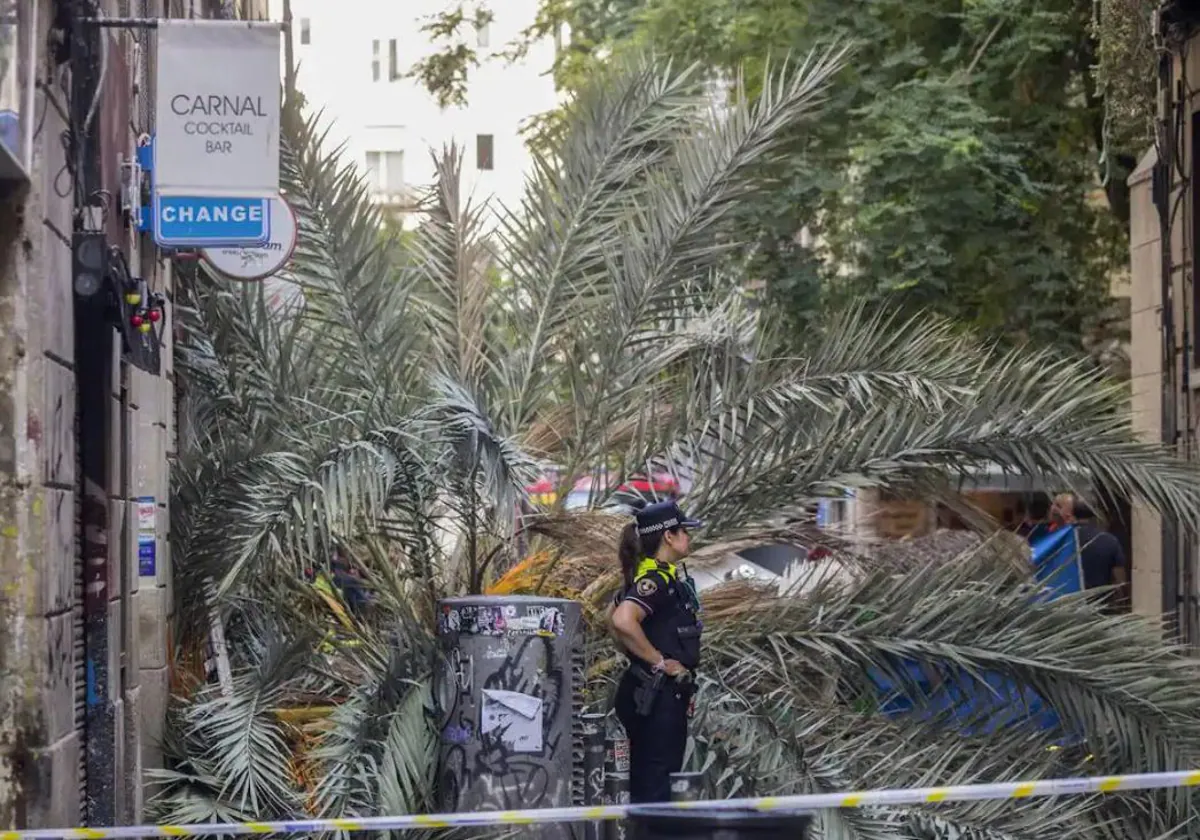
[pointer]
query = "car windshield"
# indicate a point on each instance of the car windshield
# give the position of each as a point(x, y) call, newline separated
point(577, 500)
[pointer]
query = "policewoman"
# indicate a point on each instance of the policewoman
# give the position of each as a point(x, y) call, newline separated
point(656, 620)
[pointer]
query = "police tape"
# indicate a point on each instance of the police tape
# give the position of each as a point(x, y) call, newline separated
point(799, 803)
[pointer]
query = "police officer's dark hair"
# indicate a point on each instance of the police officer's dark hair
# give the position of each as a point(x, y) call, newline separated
point(634, 546)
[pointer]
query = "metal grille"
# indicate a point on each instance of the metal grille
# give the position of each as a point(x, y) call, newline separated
point(578, 675)
point(77, 637)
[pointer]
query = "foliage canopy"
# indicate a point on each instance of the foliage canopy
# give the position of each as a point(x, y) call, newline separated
point(965, 164)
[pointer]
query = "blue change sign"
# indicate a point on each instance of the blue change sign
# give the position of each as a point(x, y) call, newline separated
point(188, 221)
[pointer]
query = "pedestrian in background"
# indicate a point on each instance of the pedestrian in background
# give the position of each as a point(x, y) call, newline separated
point(1101, 558)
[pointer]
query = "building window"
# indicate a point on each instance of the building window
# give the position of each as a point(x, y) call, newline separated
point(305, 31)
point(375, 61)
point(385, 172)
point(484, 157)
point(393, 171)
point(483, 34)
point(393, 61)
point(375, 171)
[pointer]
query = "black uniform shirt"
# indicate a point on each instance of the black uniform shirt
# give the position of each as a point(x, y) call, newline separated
point(672, 622)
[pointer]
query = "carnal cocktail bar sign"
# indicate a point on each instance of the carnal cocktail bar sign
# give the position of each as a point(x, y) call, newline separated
point(217, 108)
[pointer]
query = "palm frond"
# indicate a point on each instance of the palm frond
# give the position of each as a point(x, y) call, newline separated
point(236, 762)
point(554, 245)
point(377, 754)
point(1111, 682)
point(678, 231)
point(356, 309)
point(776, 448)
point(453, 259)
point(788, 742)
point(287, 507)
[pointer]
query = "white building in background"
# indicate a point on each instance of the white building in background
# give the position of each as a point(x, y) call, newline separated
point(353, 56)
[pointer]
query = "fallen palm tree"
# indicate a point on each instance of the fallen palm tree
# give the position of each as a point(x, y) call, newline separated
point(396, 417)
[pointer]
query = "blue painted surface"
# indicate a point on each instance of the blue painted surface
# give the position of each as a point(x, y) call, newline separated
point(1056, 561)
point(10, 132)
point(147, 558)
point(823, 513)
point(194, 221)
point(147, 536)
point(987, 701)
point(145, 156)
point(978, 704)
point(93, 699)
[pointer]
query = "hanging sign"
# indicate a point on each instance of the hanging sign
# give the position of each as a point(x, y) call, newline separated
point(257, 262)
point(217, 106)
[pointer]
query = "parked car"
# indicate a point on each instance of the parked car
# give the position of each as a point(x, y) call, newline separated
point(590, 492)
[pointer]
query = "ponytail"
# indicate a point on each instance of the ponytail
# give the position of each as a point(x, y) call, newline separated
point(630, 552)
point(635, 547)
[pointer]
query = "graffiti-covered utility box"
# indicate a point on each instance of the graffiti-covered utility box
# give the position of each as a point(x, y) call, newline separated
point(507, 693)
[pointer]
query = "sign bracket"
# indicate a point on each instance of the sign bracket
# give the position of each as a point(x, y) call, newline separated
point(128, 23)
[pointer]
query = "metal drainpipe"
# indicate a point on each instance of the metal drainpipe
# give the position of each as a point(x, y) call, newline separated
point(1161, 186)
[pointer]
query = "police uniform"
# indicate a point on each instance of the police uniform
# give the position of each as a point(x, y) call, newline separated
point(658, 731)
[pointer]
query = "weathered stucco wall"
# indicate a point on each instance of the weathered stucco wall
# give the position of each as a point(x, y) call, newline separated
point(1145, 358)
point(18, 665)
point(44, 678)
point(37, 472)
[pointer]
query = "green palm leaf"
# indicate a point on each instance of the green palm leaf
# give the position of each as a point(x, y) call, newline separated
point(1110, 680)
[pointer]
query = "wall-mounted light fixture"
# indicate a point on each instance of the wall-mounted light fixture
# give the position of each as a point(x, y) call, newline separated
point(89, 263)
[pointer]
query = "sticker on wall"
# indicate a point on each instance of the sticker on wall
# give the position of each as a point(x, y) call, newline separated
point(486, 620)
point(539, 621)
point(147, 536)
point(456, 733)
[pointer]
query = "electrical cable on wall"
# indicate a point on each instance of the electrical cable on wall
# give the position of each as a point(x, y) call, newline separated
point(91, 112)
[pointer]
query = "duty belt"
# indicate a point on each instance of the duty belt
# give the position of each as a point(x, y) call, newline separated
point(647, 675)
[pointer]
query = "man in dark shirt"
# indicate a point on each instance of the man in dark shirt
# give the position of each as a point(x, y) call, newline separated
point(1101, 559)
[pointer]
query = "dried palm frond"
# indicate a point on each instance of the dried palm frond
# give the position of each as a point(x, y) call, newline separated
point(1000, 550)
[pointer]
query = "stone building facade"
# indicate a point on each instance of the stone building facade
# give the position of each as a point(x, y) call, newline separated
point(86, 436)
point(1164, 307)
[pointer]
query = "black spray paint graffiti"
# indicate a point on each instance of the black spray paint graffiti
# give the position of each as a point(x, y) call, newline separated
point(486, 770)
point(498, 781)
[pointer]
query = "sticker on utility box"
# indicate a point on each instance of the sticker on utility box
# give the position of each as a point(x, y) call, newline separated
point(515, 718)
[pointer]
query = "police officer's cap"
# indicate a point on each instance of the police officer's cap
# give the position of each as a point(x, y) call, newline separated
point(663, 516)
